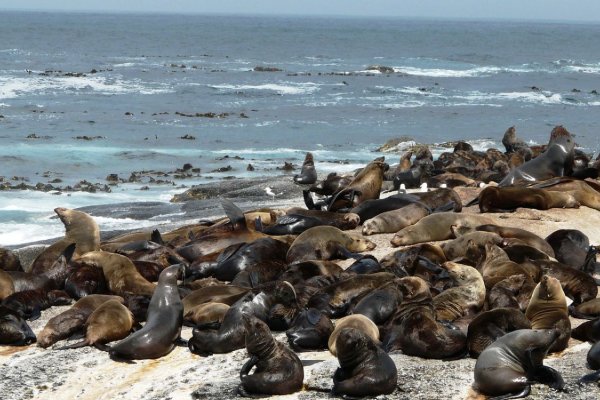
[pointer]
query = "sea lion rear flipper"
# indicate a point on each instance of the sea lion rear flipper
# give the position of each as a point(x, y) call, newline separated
point(524, 393)
point(473, 202)
point(548, 376)
point(156, 237)
point(77, 345)
point(102, 347)
point(590, 378)
point(234, 213)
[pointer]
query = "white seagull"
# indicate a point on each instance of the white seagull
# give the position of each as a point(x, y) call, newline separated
point(424, 187)
point(269, 192)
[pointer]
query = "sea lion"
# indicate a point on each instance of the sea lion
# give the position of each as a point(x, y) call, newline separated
point(296, 223)
point(85, 280)
point(572, 247)
point(380, 304)
point(509, 365)
point(80, 228)
point(365, 369)
point(497, 266)
point(393, 221)
point(325, 243)
point(491, 325)
point(278, 369)
point(593, 362)
point(577, 285)
point(119, 272)
point(512, 292)
point(585, 192)
point(333, 183)
point(309, 331)
point(163, 323)
point(587, 309)
point(6, 285)
point(466, 298)
point(436, 227)
point(308, 174)
point(14, 330)
point(226, 294)
point(356, 321)
point(414, 329)
point(511, 142)
point(109, 322)
point(365, 185)
point(9, 260)
point(457, 248)
point(588, 331)
point(503, 199)
point(206, 314)
point(548, 310)
point(68, 322)
point(371, 208)
point(527, 237)
point(30, 303)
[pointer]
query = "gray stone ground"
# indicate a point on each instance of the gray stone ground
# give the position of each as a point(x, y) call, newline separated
point(34, 373)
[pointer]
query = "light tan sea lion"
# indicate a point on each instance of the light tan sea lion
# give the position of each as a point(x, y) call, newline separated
point(80, 228)
point(120, 273)
point(548, 310)
point(357, 321)
point(464, 299)
point(457, 248)
point(206, 314)
point(393, 221)
point(6, 285)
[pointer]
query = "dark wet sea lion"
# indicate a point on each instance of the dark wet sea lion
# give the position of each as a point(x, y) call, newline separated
point(572, 247)
point(308, 174)
point(466, 298)
point(593, 362)
point(30, 303)
point(365, 369)
point(414, 329)
point(491, 325)
point(14, 330)
point(548, 310)
point(109, 322)
point(332, 184)
point(163, 323)
point(510, 364)
point(68, 322)
point(528, 237)
point(502, 199)
point(393, 221)
point(344, 221)
point(356, 321)
point(366, 185)
point(119, 272)
point(309, 331)
point(278, 369)
point(587, 309)
point(80, 228)
point(380, 304)
point(588, 331)
point(324, 243)
point(437, 227)
point(85, 280)
point(371, 208)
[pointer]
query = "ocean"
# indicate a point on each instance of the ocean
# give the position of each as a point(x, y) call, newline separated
point(262, 91)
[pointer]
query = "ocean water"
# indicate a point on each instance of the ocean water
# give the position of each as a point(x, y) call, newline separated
point(137, 82)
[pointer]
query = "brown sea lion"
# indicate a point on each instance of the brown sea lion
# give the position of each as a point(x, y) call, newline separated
point(393, 221)
point(512, 292)
point(85, 280)
point(120, 273)
point(30, 303)
point(6, 285)
point(14, 330)
point(436, 227)
point(588, 309)
point(509, 365)
point(206, 314)
point(109, 322)
point(356, 321)
point(585, 192)
point(226, 294)
point(503, 199)
point(457, 248)
point(365, 369)
point(68, 322)
point(491, 325)
point(577, 285)
point(497, 266)
point(466, 298)
point(278, 370)
point(80, 228)
point(325, 243)
point(9, 260)
point(308, 174)
point(527, 237)
point(548, 310)
point(365, 185)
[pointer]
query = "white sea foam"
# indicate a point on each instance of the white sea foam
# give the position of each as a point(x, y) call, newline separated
point(448, 73)
point(283, 88)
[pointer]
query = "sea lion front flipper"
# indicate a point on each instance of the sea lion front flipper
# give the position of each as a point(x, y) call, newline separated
point(156, 237)
point(548, 376)
point(308, 200)
point(234, 213)
point(248, 366)
point(180, 342)
point(590, 378)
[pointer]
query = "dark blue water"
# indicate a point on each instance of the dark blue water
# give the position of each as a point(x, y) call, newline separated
point(449, 80)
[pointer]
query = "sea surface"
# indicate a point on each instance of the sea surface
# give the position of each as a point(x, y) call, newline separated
point(137, 84)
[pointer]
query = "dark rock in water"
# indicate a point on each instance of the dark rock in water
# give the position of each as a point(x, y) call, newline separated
point(401, 143)
point(223, 169)
point(85, 137)
point(381, 68)
point(187, 137)
point(249, 167)
point(187, 166)
point(129, 113)
point(287, 166)
point(113, 178)
point(260, 68)
point(144, 188)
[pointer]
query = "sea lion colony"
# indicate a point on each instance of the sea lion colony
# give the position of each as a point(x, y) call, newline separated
point(486, 290)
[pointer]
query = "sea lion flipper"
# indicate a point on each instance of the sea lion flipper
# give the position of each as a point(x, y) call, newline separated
point(102, 347)
point(524, 393)
point(548, 376)
point(248, 366)
point(77, 345)
point(308, 200)
point(234, 213)
point(68, 252)
point(156, 237)
point(590, 378)
point(180, 342)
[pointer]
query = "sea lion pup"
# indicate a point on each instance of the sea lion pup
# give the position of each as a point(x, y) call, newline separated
point(278, 370)
point(551, 163)
point(30, 303)
point(326, 243)
point(68, 322)
point(548, 310)
point(414, 329)
point(9, 260)
point(577, 285)
point(14, 330)
point(380, 304)
point(365, 185)
point(512, 292)
point(509, 365)
point(109, 322)
point(457, 248)
point(226, 294)
point(308, 174)
point(80, 229)
point(85, 280)
point(356, 321)
point(206, 315)
point(572, 247)
point(527, 237)
point(393, 221)
point(365, 369)
point(309, 331)
point(436, 227)
point(163, 322)
point(497, 266)
point(466, 298)
point(503, 199)
point(119, 272)
point(511, 142)
point(491, 325)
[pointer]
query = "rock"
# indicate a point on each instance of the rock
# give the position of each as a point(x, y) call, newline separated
point(397, 145)
point(188, 137)
point(249, 167)
point(381, 68)
point(260, 68)
point(223, 169)
point(187, 166)
point(113, 178)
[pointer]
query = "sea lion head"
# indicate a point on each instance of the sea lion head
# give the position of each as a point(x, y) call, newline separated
point(258, 335)
point(351, 346)
point(549, 289)
point(413, 288)
point(14, 329)
point(351, 221)
point(460, 273)
point(360, 244)
point(571, 202)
